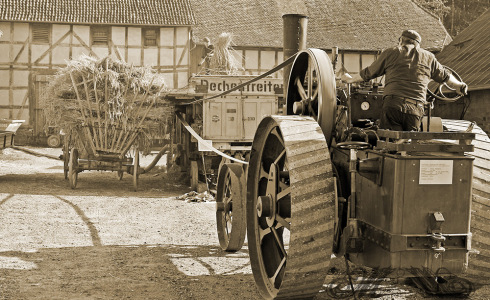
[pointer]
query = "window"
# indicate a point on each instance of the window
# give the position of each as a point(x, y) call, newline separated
point(40, 33)
point(100, 35)
point(150, 36)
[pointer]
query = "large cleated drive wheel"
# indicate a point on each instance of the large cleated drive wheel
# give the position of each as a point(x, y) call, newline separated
point(230, 207)
point(290, 207)
point(479, 261)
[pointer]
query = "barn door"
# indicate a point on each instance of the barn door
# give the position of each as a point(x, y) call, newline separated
point(39, 82)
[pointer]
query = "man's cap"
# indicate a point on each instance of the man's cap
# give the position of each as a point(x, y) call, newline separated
point(412, 34)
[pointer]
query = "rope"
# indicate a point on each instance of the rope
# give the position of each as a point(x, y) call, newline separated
point(205, 143)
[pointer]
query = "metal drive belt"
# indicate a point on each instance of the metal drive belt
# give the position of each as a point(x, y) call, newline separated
point(273, 70)
point(204, 142)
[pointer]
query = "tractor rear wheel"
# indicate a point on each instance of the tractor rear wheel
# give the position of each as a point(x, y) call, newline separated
point(290, 207)
point(230, 207)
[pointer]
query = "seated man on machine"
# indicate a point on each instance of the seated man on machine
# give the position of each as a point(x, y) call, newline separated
point(408, 70)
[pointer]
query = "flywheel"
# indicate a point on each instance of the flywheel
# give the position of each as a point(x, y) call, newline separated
point(311, 89)
point(290, 207)
point(479, 260)
point(230, 207)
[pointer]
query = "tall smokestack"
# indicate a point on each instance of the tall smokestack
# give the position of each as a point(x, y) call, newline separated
point(294, 40)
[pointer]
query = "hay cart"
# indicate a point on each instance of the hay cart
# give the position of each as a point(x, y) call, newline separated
point(107, 118)
point(108, 156)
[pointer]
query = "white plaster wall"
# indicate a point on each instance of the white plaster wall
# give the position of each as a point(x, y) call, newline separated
point(119, 35)
point(83, 32)
point(58, 31)
point(134, 36)
point(21, 32)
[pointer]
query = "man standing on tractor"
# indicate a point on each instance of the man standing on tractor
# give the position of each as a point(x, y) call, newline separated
point(408, 70)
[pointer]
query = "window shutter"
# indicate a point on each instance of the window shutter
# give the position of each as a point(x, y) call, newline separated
point(150, 35)
point(100, 35)
point(40, 33)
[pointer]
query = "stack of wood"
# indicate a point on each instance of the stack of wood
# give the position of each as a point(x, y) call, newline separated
point(106, 105)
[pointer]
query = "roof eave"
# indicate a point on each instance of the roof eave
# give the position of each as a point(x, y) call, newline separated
point(96, 23)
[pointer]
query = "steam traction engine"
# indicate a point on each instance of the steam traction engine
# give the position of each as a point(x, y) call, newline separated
point(323, 179)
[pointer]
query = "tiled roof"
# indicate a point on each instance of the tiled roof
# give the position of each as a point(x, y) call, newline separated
point(469, 53)
point(347, 24)
point(140, 12)
point(251, 22)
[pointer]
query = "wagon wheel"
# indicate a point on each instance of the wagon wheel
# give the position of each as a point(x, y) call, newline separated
point(230, 207)
point(290, 207)
point(66, 159)
point(311, 89)
point(73, 168)
point(136, 164)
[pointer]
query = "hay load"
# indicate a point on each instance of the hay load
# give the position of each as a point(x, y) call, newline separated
point(106, 105)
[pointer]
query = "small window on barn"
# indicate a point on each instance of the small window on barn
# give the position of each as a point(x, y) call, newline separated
point(150, 36)
point(100, 35)
point(40, 33)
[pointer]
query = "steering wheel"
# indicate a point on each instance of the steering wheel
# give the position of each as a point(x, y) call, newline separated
point(439, 95)
point(356, 145)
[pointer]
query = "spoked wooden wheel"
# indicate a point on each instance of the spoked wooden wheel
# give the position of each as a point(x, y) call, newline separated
point(73, 168)
point(66, 161)
point(136, 164)
point(66, 155)
point(230, 207)
point(311, 89)
point(290, 207)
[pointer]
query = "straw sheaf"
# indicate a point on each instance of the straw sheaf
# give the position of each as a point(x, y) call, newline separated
point(113, 99)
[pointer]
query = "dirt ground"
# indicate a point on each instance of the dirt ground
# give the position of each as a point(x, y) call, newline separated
point(104, 241)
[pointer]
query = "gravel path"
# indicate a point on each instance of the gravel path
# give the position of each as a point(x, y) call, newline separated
point(104, 241)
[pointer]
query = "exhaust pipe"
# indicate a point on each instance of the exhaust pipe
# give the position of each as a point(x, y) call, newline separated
point(294, 40)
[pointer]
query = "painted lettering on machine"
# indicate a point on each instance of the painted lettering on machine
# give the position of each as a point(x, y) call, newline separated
point(271, 86)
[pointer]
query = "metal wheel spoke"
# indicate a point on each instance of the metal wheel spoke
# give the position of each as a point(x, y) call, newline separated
point(279, 268)
point(310, 77)
point(315, 94)
point(278, 135)
point(278, 241)
point(283, 185)
point(228, 199)
point(284, 193)
point(283, 222)
point(301, 89)
point(280, 156)
point(263, 233)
